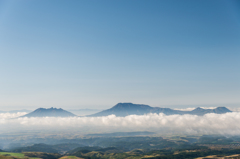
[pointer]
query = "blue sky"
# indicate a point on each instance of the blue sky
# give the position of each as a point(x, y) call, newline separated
point(94, 54)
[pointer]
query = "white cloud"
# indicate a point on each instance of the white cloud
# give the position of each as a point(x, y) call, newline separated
point(184, 109)
point(11, 115)
point(190, 109)
point(187, 124)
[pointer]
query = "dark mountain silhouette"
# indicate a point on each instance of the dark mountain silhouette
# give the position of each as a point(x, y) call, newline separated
point(51, 112)
point(125, 109)
point(218, 110)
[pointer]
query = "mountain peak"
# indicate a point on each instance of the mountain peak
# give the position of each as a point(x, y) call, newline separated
point(125, 109)
point(198, 108)
point(122, 104)
point(129, 105)
point(49, 112)
point(220, 110)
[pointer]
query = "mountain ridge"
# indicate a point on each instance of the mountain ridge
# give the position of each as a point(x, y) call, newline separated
point(49, 112)
point(125, 109)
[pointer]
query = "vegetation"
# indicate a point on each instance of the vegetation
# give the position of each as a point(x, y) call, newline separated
point(37, 148)
point(157, 154)
point(42, 155)
point(70, 157)
point(140, 147)
point(20, 155)
point(11, 155)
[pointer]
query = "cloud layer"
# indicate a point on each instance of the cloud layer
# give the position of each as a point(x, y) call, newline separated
point(226, 124)
point(11, 115)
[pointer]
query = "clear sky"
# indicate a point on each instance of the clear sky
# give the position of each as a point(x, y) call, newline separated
point(95, 54)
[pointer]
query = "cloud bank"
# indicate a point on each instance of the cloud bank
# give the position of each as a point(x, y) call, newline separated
point(225, 124)
point(11, 115)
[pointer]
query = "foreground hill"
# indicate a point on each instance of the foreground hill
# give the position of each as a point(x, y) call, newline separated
point(171, 147)
point(29, 155)
point(51, 112)
point(125, 109)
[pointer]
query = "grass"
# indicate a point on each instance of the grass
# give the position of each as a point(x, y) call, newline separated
point(20, 155)
point(70, 157)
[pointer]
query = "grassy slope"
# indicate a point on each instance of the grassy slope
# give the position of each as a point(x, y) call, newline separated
point(70, 157)
point(20, 155)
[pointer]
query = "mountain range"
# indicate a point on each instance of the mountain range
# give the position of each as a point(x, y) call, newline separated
point(125, 109)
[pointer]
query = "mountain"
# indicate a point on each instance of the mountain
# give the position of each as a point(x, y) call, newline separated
point(218, 110)
point(117, 134)
point(51, 112)
point(36, 148)
point(125, 109)
point(93, 151)
point(59, 148)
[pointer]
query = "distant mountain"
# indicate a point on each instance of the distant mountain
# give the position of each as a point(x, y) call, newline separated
point(117, 134)
point(51, 112)
point(84, 109)
point(59, 148)
point(84, 112)
point(125, 109)
point(36, 148)
point(201, 111)
point(94, 151)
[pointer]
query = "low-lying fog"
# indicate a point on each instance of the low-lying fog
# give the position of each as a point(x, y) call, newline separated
point(225, 124)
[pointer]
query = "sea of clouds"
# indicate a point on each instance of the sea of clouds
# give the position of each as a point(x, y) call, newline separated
point(225, 124)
